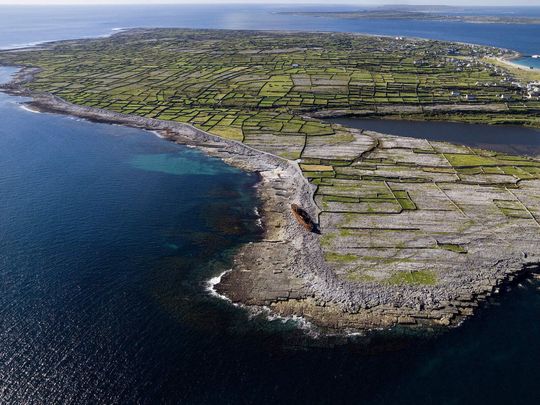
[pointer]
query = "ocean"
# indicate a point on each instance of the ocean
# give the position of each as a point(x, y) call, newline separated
point(108, 236)
point(20, 26)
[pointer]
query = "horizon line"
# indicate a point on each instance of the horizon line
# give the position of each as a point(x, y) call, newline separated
point(256, 2)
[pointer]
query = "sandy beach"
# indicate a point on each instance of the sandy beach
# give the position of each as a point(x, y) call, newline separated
point(509, 62)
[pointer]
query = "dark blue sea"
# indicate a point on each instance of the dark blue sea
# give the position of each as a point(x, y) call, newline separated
point(108, 236)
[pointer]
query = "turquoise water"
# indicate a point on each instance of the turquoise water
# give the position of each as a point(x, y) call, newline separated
point(529, 62)
point(108, 235)
point(178, 165)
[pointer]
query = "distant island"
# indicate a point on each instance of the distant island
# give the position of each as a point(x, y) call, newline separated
point(362, 229)
point(410, 13)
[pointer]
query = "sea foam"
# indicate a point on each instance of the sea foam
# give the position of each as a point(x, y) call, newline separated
point(255, 311)
point(26, 108)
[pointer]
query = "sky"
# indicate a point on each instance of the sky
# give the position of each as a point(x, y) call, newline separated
point(289, 2)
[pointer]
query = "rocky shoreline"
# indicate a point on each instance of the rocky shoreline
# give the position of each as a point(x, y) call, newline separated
point(282, 183)
point(286, 270)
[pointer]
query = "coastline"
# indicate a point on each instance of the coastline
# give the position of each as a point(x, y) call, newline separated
point(36, 44)
point(398, 15)
point(286, 271)
point(277, 174)
point(509, 62)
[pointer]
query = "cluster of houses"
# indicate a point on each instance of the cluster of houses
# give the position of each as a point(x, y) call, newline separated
point(533, 90)
point(467, 97)
point(472, 97)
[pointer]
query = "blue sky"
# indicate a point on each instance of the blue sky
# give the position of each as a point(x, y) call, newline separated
point(289, 3)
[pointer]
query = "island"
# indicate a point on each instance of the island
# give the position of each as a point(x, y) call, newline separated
point(362, 229)
point(416, 13)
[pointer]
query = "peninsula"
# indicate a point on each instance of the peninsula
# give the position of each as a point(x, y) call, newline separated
point(409, 231)
point(400, 13)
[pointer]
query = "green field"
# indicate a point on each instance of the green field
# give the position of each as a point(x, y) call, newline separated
point(264, 88)
point(259, 87)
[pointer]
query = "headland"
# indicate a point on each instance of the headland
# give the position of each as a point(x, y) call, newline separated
point(413, 232)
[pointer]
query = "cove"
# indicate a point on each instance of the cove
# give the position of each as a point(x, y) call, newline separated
point(528, 62)
point(504, 138)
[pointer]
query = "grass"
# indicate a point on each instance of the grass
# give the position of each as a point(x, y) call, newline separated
point(464, 160)
point(452, 247)
point(249, 77)
point(340, 257)
point(316, 168)
point(413, 278)
point(406, 204)
point(387, 260)
point(358, 276)
point(233, 133)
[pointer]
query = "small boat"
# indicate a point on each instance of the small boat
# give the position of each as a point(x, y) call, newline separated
point(304, 219)
point(535, 56)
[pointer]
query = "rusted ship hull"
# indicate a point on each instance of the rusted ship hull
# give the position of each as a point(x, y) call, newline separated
point(303, 218)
